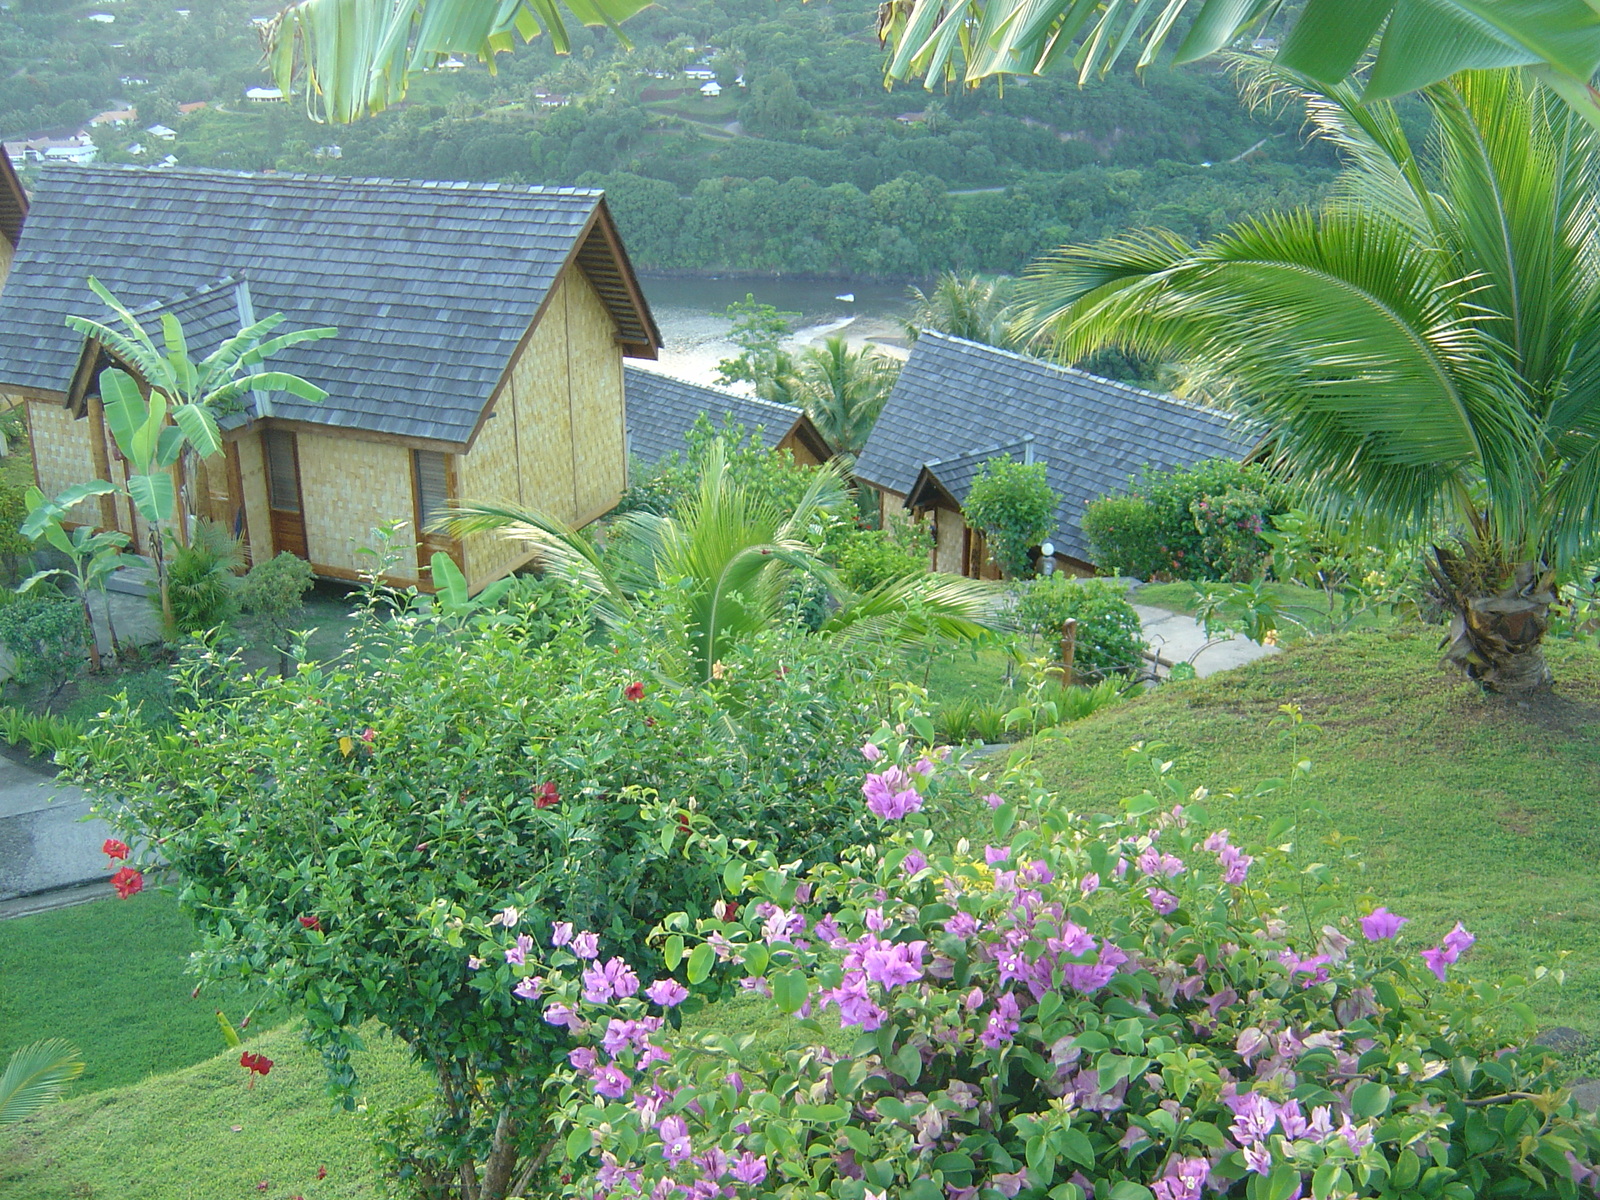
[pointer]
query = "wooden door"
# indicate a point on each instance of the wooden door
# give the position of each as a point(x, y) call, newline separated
point(283, 493)
point(220, 489)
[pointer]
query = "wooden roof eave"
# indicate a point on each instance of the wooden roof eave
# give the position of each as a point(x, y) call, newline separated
point(928, 492)
point(13, 201)
point(808, 435)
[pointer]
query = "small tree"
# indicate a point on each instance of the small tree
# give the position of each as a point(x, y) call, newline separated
point(1015, 507)
point(189, 394)
point(274, 591)
point(758, 330)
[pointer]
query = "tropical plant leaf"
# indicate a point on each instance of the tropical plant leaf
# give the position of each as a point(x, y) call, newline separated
point(37, 1075)
point(199, 426)
point(152, 495)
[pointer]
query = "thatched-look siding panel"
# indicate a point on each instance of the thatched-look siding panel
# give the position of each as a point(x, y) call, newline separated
point(348, 488)
point(62, 454)
point(253, 476)
point(950, 544)
point(6, 255)
point(554, 443)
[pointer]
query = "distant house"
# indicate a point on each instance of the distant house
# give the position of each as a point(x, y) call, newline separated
point(261, 95)
point(164, 133)
point(191, 106)
point(13, 212)
point(115, 117)
point(662, 410)
point(699, 73)
point(912, 118)
point(711, 90)
point(958, 405)
point(481, 335)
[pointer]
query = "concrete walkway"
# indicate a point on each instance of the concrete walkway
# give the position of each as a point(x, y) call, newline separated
point(1175, 638)
point(45, 842)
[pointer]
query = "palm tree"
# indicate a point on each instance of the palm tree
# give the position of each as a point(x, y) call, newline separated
point(36, 1075)
point(732, 562)
point(1424, 348)
point(1420, 42)
point(970, 307)
point(842, 390)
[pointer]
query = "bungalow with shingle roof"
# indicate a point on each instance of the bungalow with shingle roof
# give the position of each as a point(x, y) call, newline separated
point(662, 410)
point(959, 405)
point(481, 332)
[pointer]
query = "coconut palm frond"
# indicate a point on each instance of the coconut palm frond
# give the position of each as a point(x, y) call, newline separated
point(37, 1075)
point(919, 608)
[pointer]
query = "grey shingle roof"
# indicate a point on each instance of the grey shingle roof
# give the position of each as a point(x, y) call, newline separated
point(662, 410)
point(955, 475)
point(962, 401)
point(431, 285)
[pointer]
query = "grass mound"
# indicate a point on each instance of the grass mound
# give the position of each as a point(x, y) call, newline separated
point(1464, 805)
point(204, 1132)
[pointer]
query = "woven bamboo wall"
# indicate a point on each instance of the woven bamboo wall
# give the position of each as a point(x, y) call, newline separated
point(555, 445)
point(802, 453)
point(347, 489)
point(6, 253)
point(62, 453)
point(253, 477)
point(951, 540)
point(599, 457)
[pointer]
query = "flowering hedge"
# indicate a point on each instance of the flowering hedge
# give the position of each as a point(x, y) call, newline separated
point(1107, 1007)
point(317, 826)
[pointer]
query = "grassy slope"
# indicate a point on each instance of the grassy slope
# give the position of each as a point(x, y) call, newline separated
point(109, 977)
point(203, 1133)
point(1464, 806)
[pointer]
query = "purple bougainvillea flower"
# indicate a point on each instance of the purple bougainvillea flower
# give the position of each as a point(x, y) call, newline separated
point(871, 753)
point(1090, 884)
point(586, 945)
point(561, 933)
point(529, 988)
point(1380, 923)
point(668, 993)
point(1458, 941)
point(750, 1170)
point(1438, 960)
point(1162, 901)
point(993, 800)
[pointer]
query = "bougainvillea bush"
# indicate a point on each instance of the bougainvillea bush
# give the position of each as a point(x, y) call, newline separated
point(316, 824)
point(1110, 1007)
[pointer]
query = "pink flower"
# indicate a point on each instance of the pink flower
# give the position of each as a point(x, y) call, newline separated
point(668, 993)
point(528, 989)
point(890, 795)
point(560, 933)
point(1162, 901)
point(473, 962)
point(913, 862)
point(996, 854)
point(1458, 941)
point(750, 1170)
point(1438, 960)
point(586, 945)
point(518, 954)
point(871, 752)
point(1380, 923)
point(611, 1081)
point(1090, 884)
point(993, 800)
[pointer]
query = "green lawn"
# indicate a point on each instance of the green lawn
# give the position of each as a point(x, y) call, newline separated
point(1465, 806)
point(204, 1133)
point(1305, 605)
point(109, 977)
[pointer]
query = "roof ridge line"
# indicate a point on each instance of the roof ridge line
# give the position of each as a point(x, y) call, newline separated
point(538, 189)
point(1034, 359)
point(717, 387)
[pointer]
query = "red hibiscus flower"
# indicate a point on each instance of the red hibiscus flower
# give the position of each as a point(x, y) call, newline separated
point(128, 882)
point(312, 922)
point(114, 849)
point(546, 796)
point(259, 1063)
point(369, 735)
point(634, 691)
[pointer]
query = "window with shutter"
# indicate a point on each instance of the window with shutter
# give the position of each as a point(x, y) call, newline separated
point(283, 479)
point(433, 484)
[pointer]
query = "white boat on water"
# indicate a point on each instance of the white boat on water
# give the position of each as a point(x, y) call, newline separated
point(847, 297)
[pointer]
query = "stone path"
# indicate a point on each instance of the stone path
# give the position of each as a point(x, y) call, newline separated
point(45, 842)
point(1175, 638)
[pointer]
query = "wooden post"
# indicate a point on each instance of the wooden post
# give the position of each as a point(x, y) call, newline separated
point(1069, 648)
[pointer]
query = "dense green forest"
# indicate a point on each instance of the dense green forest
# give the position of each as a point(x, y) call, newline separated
point(803, 164)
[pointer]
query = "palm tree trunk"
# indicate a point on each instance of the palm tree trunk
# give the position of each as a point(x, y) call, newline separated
point(1496, 635)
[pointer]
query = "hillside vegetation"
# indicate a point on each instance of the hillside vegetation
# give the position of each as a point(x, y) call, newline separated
point(807, 165)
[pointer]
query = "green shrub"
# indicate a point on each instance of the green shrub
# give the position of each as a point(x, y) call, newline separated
point(1124, 1005)
point(1200, 522)
point(318, 823)
point(1109, 639)
point(869, 558)
point(47, 635)
point(202, 584)
point(972, 720)
point(42, 733)
point(14, 548)
point(1015, 507)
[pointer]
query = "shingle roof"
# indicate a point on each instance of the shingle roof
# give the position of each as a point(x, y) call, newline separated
point(431, 285)
point(662, 410)
point(958, 403)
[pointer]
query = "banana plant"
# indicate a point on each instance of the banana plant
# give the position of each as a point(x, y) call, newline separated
point(179, 416)
point(93, 556)
point(452, 594)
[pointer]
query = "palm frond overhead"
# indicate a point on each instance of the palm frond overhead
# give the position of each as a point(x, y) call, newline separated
point(36, 1075)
